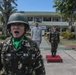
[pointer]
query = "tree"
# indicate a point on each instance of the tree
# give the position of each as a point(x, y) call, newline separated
point(68, 9)
point(6, 8)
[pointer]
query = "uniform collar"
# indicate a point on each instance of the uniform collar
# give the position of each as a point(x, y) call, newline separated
point(24, 42)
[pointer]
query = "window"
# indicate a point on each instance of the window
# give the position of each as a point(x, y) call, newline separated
point(46, 18)
point(30, 18)
point(37, 19)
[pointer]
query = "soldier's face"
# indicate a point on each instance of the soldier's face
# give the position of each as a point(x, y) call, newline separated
point(54, 29)
point(17, 29)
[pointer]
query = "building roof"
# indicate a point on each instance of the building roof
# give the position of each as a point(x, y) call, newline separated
point(42, 14)
point(51, 24)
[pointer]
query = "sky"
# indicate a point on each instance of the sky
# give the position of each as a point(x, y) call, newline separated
point(35, 5)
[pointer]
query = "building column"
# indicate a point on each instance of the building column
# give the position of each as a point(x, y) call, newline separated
point(51, 18)
point(60, 30)
point(61, 19)
point(42, 19)
point(33, 19)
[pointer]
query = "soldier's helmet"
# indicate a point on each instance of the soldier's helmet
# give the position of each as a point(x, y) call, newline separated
point(18, 18)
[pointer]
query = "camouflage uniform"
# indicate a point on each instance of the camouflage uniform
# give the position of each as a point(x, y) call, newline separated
point(54, 39)
point(25, 61)
point(27, 58)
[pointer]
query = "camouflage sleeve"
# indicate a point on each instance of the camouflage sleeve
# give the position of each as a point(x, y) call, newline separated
point(1, 65)
point(50, 37)
point(4, 48)
point(58, 37)
point(39, 65)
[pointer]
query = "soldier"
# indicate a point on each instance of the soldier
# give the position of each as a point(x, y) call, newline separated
point(20, 55)
point(54, 39)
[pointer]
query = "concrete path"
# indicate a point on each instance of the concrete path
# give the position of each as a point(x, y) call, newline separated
point(67, 67)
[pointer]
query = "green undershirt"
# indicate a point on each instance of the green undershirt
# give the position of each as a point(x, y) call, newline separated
point(17, 43)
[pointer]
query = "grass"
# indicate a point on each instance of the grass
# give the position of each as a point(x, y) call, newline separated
point(63, 41)
point(67, 42)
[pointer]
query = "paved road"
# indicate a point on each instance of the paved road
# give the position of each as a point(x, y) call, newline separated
point(67, 67)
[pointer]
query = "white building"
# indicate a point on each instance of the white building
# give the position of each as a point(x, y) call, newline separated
point(47, 20)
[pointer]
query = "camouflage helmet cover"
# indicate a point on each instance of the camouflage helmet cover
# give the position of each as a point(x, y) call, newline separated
point(17, 18)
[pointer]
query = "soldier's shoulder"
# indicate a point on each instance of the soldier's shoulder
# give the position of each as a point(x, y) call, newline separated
point(30, 41)
point(7, 39)
point(51, 32)
point(5, 43)
point(58, 32)
point(33, 45)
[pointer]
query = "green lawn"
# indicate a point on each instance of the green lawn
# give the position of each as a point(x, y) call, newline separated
point(64, 41)
point(67, 42)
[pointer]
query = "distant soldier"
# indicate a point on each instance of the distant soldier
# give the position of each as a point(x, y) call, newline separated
point(54, 39)
point(20, 55)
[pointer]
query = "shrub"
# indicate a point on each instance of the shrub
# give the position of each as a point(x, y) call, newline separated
point(47, 35)
point(67, 35)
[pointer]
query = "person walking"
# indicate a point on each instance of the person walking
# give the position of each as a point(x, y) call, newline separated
point(36, 34)
point(54, 39)
point(20, 55)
